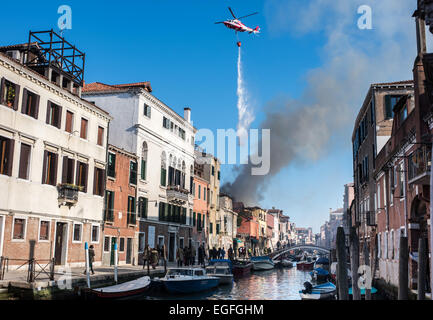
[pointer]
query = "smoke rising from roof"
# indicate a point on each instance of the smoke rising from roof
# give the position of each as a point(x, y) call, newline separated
point(302, 129)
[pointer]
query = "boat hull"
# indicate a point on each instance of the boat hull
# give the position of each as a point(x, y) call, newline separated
point(262, 265)
point(124, 290)
point(190, 286)
point(242, 270)
point(305, 265)
point(324, 291)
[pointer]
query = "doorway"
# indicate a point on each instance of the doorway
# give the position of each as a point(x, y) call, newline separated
point(128, 250)
point(113, 243)
point(171, 246)
point(60, 246)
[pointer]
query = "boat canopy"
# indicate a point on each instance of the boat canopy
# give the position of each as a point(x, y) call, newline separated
point(221, 262)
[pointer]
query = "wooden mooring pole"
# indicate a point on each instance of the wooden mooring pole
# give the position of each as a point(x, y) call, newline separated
point(422, 267)
point(343, 288)
point(354, 262)
point(367, 263)
point(403, 271)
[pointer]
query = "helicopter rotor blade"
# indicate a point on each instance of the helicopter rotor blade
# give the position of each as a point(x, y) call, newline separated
point(231, 11)
point(248, 15)
point(219, 22)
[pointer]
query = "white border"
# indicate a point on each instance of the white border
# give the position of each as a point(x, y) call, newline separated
point(13, 226)
point(39, 230)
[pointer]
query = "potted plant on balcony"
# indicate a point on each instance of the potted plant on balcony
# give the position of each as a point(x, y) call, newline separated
point(10, 96)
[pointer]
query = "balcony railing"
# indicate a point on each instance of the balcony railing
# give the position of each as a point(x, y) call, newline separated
point(371, 218)
point(68, 194)
point(176, 194)
point(419, 165)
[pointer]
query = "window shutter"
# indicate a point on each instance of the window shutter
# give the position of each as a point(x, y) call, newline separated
point(59, 122)
point(2, 86)
point(44, 168)
point(388, 111)
point(65, 169)
point(17, 96)
point(10, 156)
point(24, 158)
point(86, 171)
point(55, 169)
point(37, 99)
point(24, 102)
point(95, 186)
point(146, 202)
point(48, 112)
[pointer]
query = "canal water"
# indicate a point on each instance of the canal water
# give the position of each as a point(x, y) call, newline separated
point(275, 284)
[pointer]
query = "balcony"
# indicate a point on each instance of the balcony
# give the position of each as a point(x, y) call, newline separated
point(419, 166)
point(68, 194)
point(371, 218)
point(177, 195)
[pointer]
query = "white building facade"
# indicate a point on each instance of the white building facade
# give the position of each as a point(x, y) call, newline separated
point(164, 143)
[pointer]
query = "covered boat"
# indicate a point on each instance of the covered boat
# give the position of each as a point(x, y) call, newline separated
point(242, 268)
point(188, 280)
point(262, 263)
point(325, 291)
point(123, 290)
point(320, 275)
point(322, 263)
point(222, 269)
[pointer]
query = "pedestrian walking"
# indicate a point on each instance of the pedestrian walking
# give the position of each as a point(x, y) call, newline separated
point(230, 253)
point(223, 253)
point(179, 257)
point(91, 259)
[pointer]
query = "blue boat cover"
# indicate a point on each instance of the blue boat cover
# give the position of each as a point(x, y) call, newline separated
point(322, 260)
point(373, 291)
point(321, 272)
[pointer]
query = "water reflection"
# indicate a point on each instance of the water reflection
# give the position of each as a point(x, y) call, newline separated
point(276, 284)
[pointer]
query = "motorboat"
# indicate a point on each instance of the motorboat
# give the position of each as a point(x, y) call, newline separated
point(325, 291)
point(322, 263)
point(262, 263)
point(123, 290)
point(188, 280)
point(373, 291)
point(242, 268)
point(305, 264)
point(283, 263)
point(222, 269)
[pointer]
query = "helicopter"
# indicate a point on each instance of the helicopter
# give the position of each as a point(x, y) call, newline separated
point(238, 26)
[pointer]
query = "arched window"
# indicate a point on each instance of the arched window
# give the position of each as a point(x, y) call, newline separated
point(144, 161)
point(163, 169)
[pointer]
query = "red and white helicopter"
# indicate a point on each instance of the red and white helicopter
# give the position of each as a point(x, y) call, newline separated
point(237, 25)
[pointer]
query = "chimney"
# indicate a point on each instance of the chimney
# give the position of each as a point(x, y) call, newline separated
point(187, 114)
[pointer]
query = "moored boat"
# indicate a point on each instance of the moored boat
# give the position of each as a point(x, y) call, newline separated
point(262, 263)
point(325, 291)
point(305, 265)
point(242, 268)
point(222, 269)
point(123, 290)
point(188, 280)
point(320, 275)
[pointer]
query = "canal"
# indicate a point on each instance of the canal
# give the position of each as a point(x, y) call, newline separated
point(275, 284)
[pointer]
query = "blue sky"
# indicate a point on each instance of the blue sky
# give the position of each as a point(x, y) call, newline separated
point(191, 62)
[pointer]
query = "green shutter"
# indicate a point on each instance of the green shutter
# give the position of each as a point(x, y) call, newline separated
point(193, 219)
point(163, 177)
point(143, 169)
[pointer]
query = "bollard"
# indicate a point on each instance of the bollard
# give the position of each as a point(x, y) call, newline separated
point(343, 288)
point(115, 262)
point(86, 249)
point(403, 289)
point(354, 262)
point(422, 268)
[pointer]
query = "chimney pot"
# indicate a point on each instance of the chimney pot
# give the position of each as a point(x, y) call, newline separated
point(187, 114)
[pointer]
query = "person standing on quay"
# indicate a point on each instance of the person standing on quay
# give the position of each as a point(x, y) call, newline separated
point(179, 256)
point(223, 253)
point(91, 259)
point(230, 253)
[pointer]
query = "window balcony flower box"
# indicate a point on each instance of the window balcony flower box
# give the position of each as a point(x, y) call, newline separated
point(68, 194)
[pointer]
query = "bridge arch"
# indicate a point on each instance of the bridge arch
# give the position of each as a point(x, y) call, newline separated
point(276, 254)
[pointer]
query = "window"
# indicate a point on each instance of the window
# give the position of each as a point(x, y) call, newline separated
point(210, 227)
point(77, 232)
point(131, 210)
point(83, 131)
point(403, 114)
point(182, 133)
point(100, 136)
point(106, 244)
point(142, 207)
point(19, 229)
point(122, 244)
point(199, 191)
point(379, 245)
point(9, 94)
point(54, 114)
point(166, 123)
point(163, 176)
point(49, 173)
point(81, 180)
point(401, 179)
point(147, 110)
point(44, 231)
point(95, 233)
point(30, 105)
point(109, 206)
point(24, 161)
point(133, 172)
point(69, 122)
point(6, 155)
point(390, 102)
point(68, 170)
point(111, 170)
point(219, 175)
point(144, 161)
point(204, 193)
point(99, 182)
point(213, 170)
point(193, 219)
